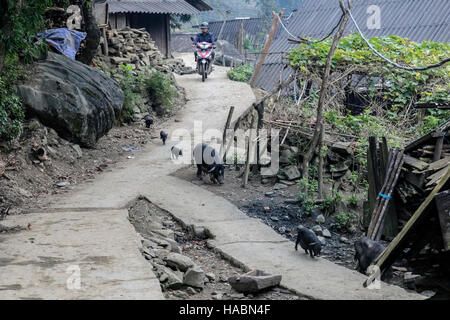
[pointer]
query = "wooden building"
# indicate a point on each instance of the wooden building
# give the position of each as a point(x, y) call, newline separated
point(153, 15)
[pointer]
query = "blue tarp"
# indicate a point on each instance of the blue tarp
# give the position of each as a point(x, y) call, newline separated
point(64, 40)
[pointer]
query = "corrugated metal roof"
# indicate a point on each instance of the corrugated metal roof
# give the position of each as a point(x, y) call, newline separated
point(417, 20)
point(152, 6)
point(253, 28)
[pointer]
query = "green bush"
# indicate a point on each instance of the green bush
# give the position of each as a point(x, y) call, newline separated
point(161, 89)
point(242, 73)
point(131, 91)
point(135, 85)
point(19, 23)
point(343, 221)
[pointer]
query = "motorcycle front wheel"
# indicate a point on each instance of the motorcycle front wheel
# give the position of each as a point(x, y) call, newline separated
point(203, 72)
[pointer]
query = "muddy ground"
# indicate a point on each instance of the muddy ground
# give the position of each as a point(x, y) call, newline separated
point(284, 213)
point(142, 214)
point(279, 210)
point(27, 179)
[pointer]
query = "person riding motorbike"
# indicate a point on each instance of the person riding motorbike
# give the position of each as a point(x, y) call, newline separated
point(205, 36)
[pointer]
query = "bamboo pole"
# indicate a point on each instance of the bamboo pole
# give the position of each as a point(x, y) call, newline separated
point(266, 47)
point(224, 137)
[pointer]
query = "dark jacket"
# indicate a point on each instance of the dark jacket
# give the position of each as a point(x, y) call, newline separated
point(205, 37)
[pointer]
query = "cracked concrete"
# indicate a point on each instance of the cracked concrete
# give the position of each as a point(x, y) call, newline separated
point(88, 226)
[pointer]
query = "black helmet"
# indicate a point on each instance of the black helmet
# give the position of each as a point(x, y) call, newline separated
point(204, 25)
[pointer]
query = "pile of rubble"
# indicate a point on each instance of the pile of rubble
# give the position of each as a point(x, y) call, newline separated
point(136, 48)
point(159, 246)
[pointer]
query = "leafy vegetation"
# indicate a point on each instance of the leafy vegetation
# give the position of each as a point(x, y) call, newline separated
point(398, 86)
point(161, 89)
point(343, 221)
point(20, 21)
point(242, 73)
point(150, 83)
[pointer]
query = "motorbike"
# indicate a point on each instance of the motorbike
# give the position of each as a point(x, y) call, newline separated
point(204, 56)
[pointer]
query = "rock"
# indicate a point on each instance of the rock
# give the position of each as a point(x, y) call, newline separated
point(326, 233)
point(285, 156)
point(160, 242)
point(410, 277)
point(288, 183)
point(62, 184)
point(273, 218)
point(300, 226)
point(291, 201)
point(164, 277)
point(282, 229)
point(344, 148)
point(194, 277)
point(211, 276)
point(428, 293)
point(344, 240)
point(270, 194)
point(279, 186)
point(165, 233)
point(191, 291)
point(80, 102)
point(78, 150)
point(174, 247)
point(317, 230)
point(322, 240)
point(236, 296)
point(200, 232)
point(179, 261)
point(320, 219)
point(254, 281)
point(172, 279)
point(292, 173)
point(218, 296)
point(180, 294)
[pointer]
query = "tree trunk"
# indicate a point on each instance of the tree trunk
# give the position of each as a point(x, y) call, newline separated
point(93, 33)
point(323, 92)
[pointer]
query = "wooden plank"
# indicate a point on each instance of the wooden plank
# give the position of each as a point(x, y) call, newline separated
point(443, 205)
point(388, 255)
point(266, 47)
point(415, 163)
point(249, 148)
point(371, 173)
point(417, 143)
point(438, 165)
point(434, 178)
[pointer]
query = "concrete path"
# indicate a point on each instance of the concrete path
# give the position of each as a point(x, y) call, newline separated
point(88, 227)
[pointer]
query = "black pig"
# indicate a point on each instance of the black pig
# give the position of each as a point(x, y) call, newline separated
point(208, 161)
point(148, 122)
point(163, 137)
point(309, 242)
point(366, 251)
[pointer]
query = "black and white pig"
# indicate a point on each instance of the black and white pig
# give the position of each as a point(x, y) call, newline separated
point(366, 251)
point(308, 241)
point(208, 161)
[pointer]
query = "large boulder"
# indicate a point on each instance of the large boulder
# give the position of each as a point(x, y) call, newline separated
point(226, 51)
point(80, 102)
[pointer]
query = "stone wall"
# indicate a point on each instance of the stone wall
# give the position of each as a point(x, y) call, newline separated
point(135, 47)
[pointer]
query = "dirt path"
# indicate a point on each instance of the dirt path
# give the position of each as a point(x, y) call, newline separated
point(88, 227)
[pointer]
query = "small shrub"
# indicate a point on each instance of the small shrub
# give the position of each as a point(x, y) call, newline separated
point(353, 200)
point(309, 206)
point(161, 89)
point(242, 73)
point(343, 221)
